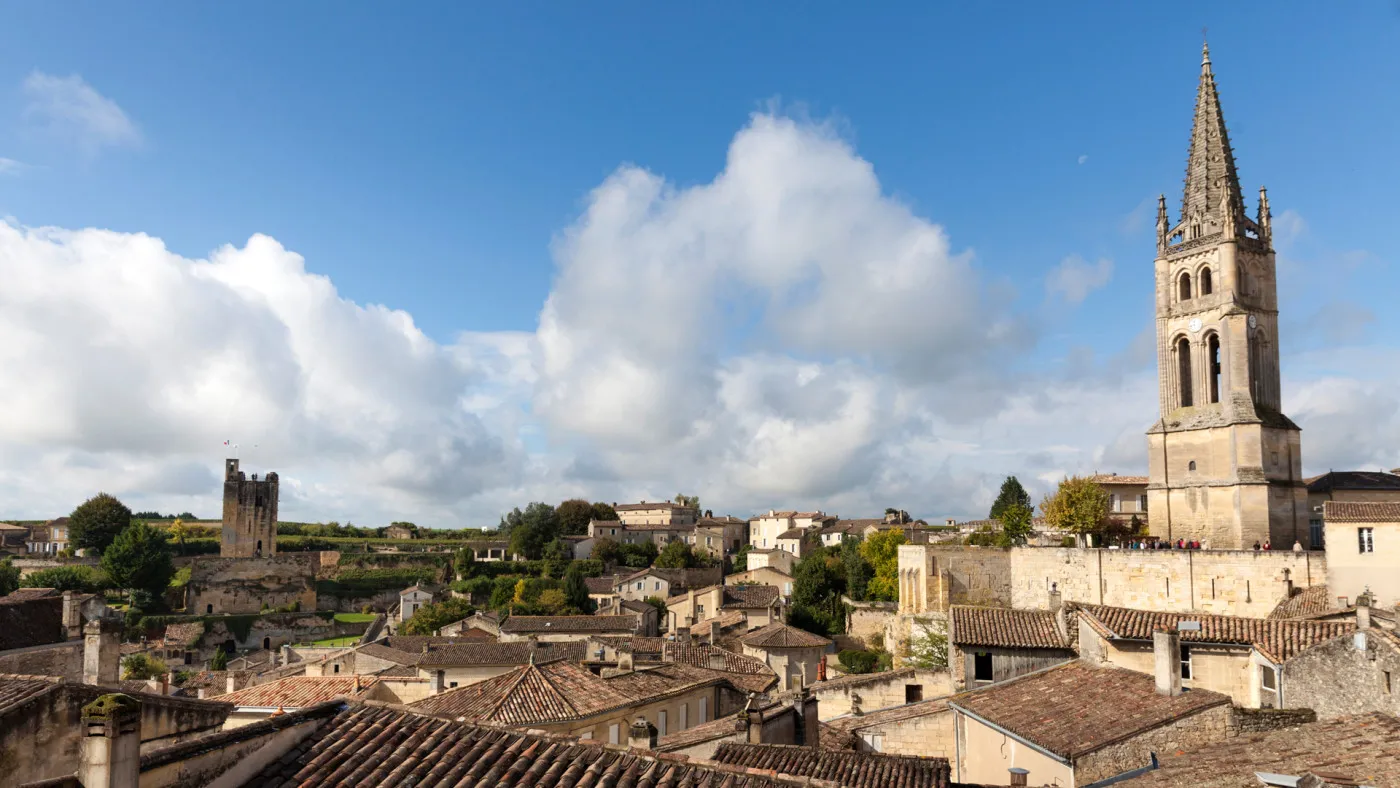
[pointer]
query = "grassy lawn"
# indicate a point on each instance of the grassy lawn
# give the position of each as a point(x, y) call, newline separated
point(345, 641)
point(354, 618)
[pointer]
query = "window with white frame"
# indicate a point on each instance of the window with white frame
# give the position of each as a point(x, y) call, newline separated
point(1268, 687)
point(1185, 662)
point(1366, 540)
point(1142, 502)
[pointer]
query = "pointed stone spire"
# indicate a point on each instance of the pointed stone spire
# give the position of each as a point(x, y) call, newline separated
point(1265, 220)
point(1211, 181)
point(1163, 226)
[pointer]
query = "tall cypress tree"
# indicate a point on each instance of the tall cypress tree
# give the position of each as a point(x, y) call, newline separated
point(1012, 494)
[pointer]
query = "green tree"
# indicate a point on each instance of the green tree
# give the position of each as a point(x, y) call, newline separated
point(428, 619)
point(660, 605)
point(604, 511)
point(928, 645)
point(692, 501)
point(1079, 506)
point(140, 667)
point(538, 526)
point(1016, 522)
point(558, 550)
point(510, 522)
point(552, 602)
point(463, 562)
point(576, 589)
point(677, 555)
point(740, 561)
point(639, 556)
point(574, 515)
point(818, 582)
point(97, 521)
point(882, 551)
point(9, 577)
point(139, 560)
point(1012, 494)
point(220, 660)
point(607, 550)
point(858, 570)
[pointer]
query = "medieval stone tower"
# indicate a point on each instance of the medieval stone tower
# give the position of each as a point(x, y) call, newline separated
point(1224, 463)
point(250, 514)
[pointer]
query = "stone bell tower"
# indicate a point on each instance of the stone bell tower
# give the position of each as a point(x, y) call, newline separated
point(250, 514)
point(1224, 463)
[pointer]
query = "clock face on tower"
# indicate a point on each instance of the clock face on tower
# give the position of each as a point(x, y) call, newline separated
point(1194, 325)
point(1253, 321)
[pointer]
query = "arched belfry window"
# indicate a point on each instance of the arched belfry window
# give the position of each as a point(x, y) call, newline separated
point(1183, 287)
point(1183, 370)
point(1207, 285)
point(1213, 360)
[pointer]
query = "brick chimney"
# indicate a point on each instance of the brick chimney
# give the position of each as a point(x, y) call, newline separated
point(716, 661)
point(286, 653)
point(231, 685)
point(435, 682)
point(72, 617)
point(1166, 661)
point(642, 735)
point(624, 661)
point(101, 651)
point(110, 755)
point(1018, 776)
point(1363, 610)
point(1056, 602)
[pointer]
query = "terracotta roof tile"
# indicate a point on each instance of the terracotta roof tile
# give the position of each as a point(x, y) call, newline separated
point(25, 594)
point(1359, 512)
point(1074, 709)
point(1277, 639)
point(18, 689)
point(298, 692)
point(578, 624)
point(1114, 478)
point(1005, 628)
point(559, 691)
point(750, 596)
point(375, 746)
point(852, 722)
point(1310, 602)
point(779, 635)
point(492, 653)
point(854, 769)
point(721, 728)
point(1365, 750)
point(184, 634)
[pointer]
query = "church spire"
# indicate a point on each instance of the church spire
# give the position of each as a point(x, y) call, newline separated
point(1212, 200)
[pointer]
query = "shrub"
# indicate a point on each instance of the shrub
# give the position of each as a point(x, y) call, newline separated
point(857, 661)
point(83, 579)
point(140, 667)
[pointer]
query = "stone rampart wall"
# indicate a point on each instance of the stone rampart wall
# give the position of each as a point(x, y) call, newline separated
point(249, 585)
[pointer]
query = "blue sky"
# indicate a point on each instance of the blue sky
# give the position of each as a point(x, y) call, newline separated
point(430, 159)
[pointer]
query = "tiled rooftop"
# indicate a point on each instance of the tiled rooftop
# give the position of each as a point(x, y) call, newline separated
point(1364, 750)
point(183, 635)
point(1310, 602)
point(24, 594)
point(1359, 512)
point(852, 722)
point(579, 624)
point(1114, 478)
point(779, 635)
point(1275, 638)
point(559, 691)
point(750, 596)
point(375, 746)
point(17, 689)
point(298, 692)
point(853, 769)
point(1005, 628)
point(1353, 480)
point(1074, 709)
point(492, 653)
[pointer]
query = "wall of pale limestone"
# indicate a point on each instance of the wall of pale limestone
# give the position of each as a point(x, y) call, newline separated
point(225, 586)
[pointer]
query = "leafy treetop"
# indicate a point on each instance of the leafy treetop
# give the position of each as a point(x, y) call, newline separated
point(1012, 494)
point(97, 521)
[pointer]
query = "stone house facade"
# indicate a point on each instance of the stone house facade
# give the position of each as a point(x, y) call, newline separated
point(1363, 553)
point(797, 656)
point(1355, 673)
point(1348, 486)
point(656, 513)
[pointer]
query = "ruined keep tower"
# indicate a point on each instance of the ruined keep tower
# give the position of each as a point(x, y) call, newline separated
point(1224, 463)
point(250, 514)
